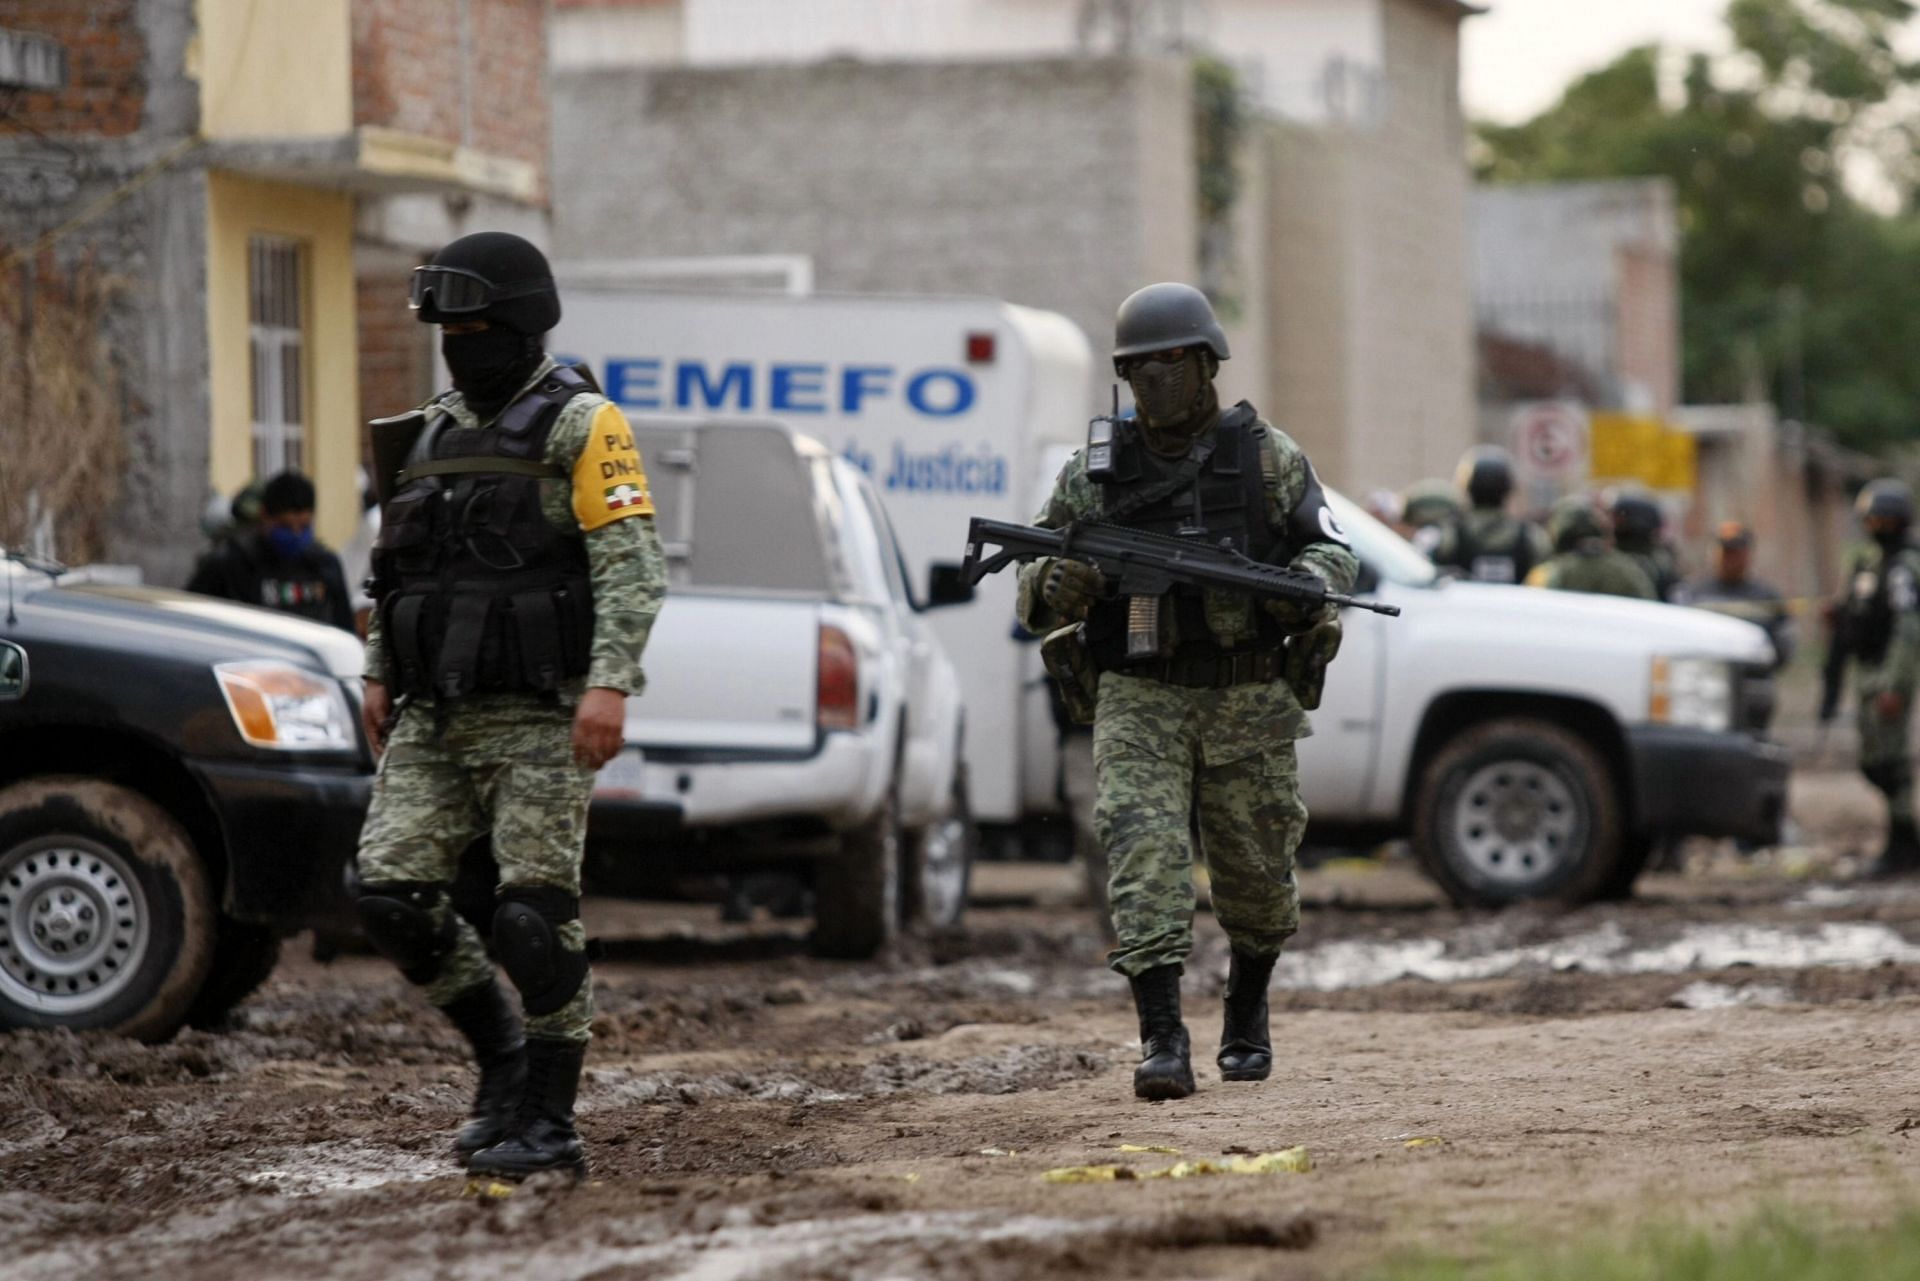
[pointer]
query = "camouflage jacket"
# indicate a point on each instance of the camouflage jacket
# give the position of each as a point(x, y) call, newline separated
point(1479, 542)
point(1601, 571)
point(1075, 497)
point(623, 555)
point(1899, 670)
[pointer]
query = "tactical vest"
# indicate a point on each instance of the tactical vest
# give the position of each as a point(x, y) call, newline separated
point(1871, 608)
point(1506, 558)
point(477, 590)
point(1225, 495)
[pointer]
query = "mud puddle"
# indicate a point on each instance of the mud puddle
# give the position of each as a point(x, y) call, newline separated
point(1481, 952)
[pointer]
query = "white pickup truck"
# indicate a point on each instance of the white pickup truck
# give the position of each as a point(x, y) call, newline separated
point(1536, 744)
point(798, 706)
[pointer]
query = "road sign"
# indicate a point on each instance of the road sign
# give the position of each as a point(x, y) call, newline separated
point(29, 61)
point(1550, 438)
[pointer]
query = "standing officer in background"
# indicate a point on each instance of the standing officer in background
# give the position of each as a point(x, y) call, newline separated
point(1733, 590)
point(1487, 545)
point(1430, 509)
point(1637, 525)
point(1883, 629)
point(1583, 560)
point(277, 562)
point(1196, 711)
point(516, 578)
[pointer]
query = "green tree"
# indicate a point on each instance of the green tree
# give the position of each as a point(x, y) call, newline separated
point(1787, 280)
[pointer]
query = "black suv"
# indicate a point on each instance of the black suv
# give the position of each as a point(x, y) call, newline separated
point(182, 782)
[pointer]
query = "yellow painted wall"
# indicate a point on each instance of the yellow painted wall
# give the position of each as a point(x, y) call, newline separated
point(238, 208)
point(273, 68)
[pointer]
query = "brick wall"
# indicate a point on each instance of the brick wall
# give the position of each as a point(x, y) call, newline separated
point(395, 362)
point(410, 73)
point(106, 67)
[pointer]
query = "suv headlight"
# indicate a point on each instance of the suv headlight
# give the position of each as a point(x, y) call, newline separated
point(1694, 692)
point(281, 706)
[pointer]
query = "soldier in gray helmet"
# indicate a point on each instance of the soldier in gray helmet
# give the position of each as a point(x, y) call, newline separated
point(1883, 626)
point(1488, 545)
point(1199, 694)
point(1637, 525)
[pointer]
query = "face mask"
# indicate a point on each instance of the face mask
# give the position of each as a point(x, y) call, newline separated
point(290, 544)
point(1170, 393)
point(489, 366)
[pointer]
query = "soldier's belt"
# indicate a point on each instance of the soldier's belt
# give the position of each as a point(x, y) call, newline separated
point(1211, 671)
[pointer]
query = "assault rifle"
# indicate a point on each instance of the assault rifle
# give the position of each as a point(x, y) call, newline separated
point(1143, 564)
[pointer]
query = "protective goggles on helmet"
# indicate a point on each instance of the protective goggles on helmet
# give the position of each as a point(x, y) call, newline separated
point(453, 291)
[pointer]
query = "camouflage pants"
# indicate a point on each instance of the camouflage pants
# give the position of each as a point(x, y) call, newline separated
point(502, 764)
point(1884, 758)
point(1174, 763)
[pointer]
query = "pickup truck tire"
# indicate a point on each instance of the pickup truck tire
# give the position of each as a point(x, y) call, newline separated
point(106, 917)
point(938, 869)
point(1518, 809)
point(244, 957)
point(857, 893)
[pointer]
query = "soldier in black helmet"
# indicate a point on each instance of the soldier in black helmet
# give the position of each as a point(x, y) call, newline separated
point(1199, 696)
point(1487, 544)
point(516, 579)
point(1883, 626)
point(1637, 525)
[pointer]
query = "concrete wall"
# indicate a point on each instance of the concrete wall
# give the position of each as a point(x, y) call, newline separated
point(1057, 184)
point(1588, 270)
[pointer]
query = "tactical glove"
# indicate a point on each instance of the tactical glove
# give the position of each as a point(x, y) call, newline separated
point(1071, 586)
point(1308, 655)
point(1298, 615)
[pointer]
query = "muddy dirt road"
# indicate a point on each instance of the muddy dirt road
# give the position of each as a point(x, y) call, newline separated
point(1741, 1032)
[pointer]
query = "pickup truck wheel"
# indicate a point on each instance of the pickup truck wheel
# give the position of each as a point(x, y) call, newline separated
point(244, 957)
point(857, 894)
point(1518, 809)
point(939, 863)
point(106, 918)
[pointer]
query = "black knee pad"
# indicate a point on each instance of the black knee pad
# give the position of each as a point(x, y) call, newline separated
point(404, 920)
point(526, 938)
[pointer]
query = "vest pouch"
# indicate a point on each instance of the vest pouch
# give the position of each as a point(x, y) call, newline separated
point(411, 640)
point(533, 624)
point(459, 668)
point(405, 544)
point(573, 608)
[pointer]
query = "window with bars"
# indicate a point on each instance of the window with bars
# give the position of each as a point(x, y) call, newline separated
point(277, 331)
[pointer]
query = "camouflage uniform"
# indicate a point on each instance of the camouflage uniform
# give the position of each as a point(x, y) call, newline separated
point(502, 763)
point(1884, 755)
point(1489, 546)
point(1596, 569)
point(1169, 759)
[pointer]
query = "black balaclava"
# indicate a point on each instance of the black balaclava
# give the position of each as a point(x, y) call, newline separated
point(1175, 399)
point(490, 365)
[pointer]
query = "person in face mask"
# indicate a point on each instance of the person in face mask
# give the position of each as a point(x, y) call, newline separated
point(516, 579)
point(1883, 626)
point(1200, 694)
point(278, 563)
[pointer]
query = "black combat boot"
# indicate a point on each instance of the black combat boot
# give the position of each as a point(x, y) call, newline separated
point(487, 1018)
point(1166, 1066)
point(1901, 857)
point(543, 1136)
point(1246, 1051)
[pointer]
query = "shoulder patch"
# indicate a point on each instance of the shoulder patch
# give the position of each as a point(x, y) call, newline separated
point(609, 479)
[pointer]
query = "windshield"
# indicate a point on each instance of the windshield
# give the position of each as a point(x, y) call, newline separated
point(1379, 548)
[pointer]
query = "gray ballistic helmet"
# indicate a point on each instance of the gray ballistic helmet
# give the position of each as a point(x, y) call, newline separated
point(1163, 316)
point(1486, 474)
point(1885, 500)
point(1636, 517)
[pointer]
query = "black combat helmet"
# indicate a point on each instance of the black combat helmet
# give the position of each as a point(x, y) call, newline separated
point(1636, 518)
point(1885, 502)
point(1486, 474)
point(1163, 316)
point(493, 276)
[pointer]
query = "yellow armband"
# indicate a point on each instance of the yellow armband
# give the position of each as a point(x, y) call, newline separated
point(609, 480)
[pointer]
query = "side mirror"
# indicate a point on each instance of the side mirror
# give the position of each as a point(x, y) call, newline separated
point(946, 587)
point(13, 670)
point(1367, 580)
